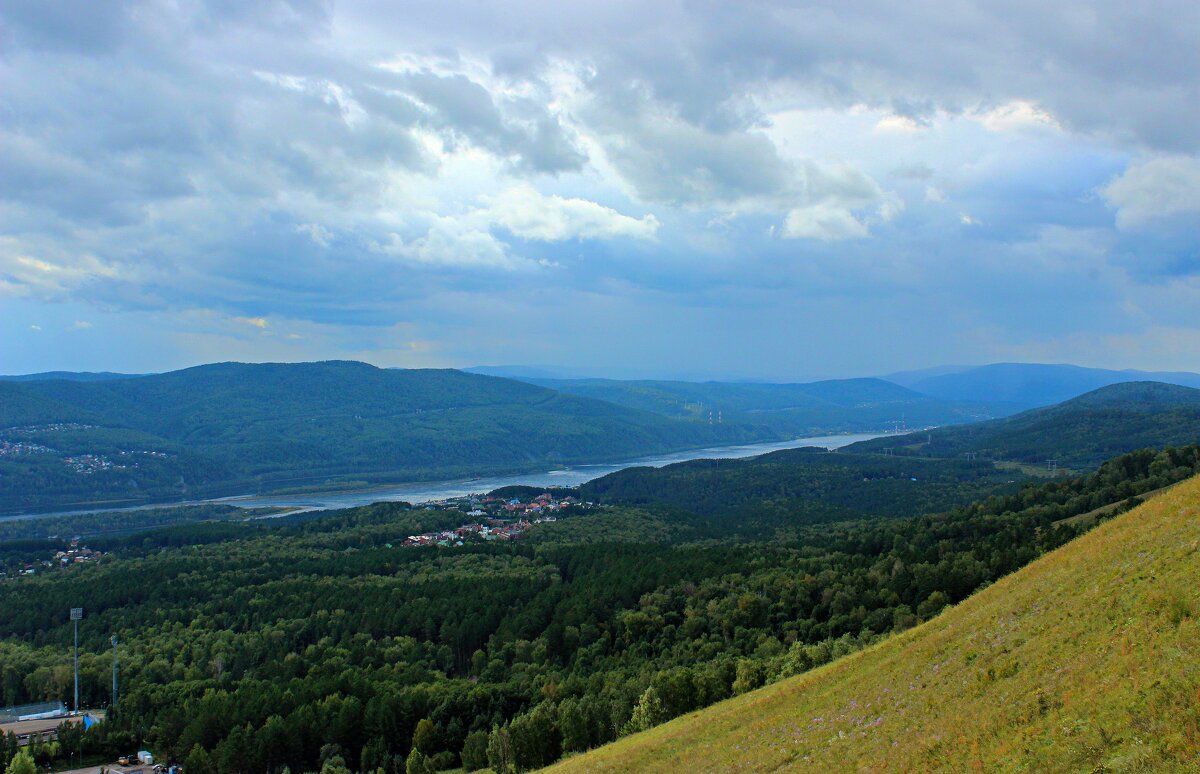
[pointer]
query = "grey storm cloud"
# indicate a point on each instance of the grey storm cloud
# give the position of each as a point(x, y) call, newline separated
point(1129, 70)
point(675, 88)
point(108, 110)
point(521, 129)
point(283, 156)
point(669, 85)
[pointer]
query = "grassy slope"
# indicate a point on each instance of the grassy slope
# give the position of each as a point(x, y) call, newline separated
point(1086, 660)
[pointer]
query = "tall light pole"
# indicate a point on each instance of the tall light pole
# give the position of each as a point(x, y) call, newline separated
point(114, 699)
point(76, 615)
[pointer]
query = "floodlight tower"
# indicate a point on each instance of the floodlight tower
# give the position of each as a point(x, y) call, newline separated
point(114, 698)
point(76, 615)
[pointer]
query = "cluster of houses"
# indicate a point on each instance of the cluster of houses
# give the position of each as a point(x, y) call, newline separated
point(90, 463)
point(74, 554)
point(156, 454)
point(494, 529)
point(77, 554)
point(54, 427)
point(495, 518)
point(12, 449)
point(80, 463)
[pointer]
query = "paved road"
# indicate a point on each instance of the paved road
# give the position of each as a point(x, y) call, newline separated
point(23, 728)
point(113, 768)
point(41, 726)
point(91, 770)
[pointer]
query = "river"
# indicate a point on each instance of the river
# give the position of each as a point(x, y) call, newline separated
point(441, 490)
point(563, 477)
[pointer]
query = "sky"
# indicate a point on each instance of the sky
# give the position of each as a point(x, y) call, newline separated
point(764, 190)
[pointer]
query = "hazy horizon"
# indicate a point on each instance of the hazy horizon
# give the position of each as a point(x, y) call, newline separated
point(543, 371)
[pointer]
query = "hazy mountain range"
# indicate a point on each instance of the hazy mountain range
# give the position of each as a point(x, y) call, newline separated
point(87, 439)
point(1080, 432)
point(1001, 387)
point(1026, 384)
point(231, 428)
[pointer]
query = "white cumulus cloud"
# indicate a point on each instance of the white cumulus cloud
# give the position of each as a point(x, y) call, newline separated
point(453, 243)
point(825, 222)
point(1014, 116)
point(526, 213)
point(1154, 189)
point(24, 274)
point(321, 236)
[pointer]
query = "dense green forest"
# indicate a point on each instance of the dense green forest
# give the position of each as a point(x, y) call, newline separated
point(234, 428)
point(1078, 433)
point(808, 485)
point(310, 643)
point(121, 522)
point(813, 408)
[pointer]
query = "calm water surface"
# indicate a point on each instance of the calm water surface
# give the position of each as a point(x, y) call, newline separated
point(569, 476)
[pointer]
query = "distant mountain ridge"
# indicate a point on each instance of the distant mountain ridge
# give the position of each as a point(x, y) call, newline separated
point(994, 390)
point(1001, 388)
point(234, 427)
point(523, 372)
point(1027, 384)
point(70, 376)
point(830, 406)
point(1080, 432)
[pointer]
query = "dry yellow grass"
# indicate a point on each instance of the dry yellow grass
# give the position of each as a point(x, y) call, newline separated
point(1086, 660)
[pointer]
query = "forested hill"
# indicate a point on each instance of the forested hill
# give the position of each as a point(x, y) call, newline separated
point(838, 405)
point(789, 488)
point(320, 642)
point(1081, 432)
point(1085, 660)
point(232, 427)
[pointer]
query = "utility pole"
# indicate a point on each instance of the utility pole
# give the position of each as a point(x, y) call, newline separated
point(76, 615)
point(114, 698)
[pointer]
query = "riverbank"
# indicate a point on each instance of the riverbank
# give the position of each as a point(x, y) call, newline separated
point(423, 492)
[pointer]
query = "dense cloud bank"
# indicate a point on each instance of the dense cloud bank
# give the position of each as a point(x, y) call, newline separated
point(431, 183)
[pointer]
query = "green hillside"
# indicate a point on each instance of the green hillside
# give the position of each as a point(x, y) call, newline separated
point(1081, 432)
point(796, 486)
point(1086, 660)
point(263, 643)
point(231, 428)
point(838, 405)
